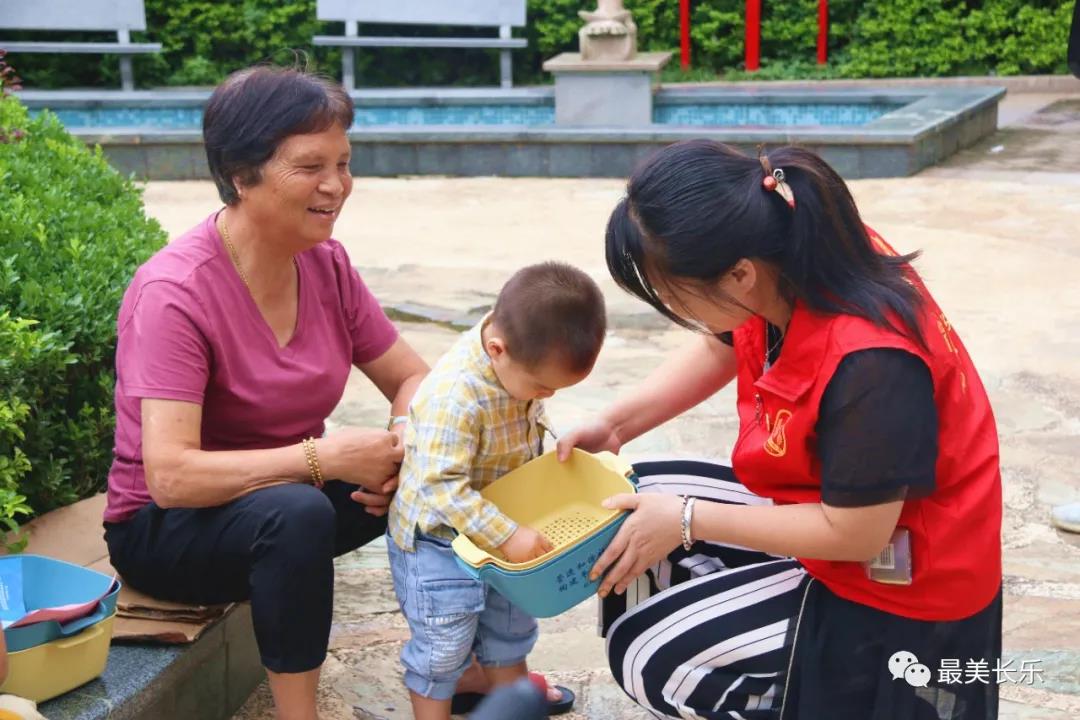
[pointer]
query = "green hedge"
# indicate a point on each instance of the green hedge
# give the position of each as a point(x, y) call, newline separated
point(204, 40)
point(72, 232)
point(953, 37)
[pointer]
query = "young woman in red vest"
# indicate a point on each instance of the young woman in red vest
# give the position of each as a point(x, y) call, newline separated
point(847, 563)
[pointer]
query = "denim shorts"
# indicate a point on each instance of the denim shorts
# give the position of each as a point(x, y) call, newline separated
point(452, 615)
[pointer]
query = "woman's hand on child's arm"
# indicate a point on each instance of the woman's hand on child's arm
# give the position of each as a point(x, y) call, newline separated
point(361, 456)
point(524, 545)
point(378, 503)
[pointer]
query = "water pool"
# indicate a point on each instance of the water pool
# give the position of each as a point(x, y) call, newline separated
point(713, 114)
point(863, 131)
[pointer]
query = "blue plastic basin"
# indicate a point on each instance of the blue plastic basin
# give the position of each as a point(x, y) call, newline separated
point(48, 582)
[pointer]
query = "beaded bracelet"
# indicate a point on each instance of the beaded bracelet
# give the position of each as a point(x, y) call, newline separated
point(313, 462)
point(687, 521)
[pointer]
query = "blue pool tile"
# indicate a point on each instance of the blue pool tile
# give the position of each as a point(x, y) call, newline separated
point(769, 115)
point(492, 114)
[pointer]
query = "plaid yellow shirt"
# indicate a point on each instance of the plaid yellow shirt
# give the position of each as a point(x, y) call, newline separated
point(465, 431)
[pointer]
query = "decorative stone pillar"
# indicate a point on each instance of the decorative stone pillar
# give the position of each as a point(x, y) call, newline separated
point(609, 34)
point(608, 83)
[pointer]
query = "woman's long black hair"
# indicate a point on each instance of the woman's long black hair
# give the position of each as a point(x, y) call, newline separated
point(698, 207)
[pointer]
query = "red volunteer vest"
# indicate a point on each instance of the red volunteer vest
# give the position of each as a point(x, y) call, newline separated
point(955, 532)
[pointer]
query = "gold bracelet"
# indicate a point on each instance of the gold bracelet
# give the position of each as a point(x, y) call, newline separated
point(313, 462)
point(319, 481)
point(307, 457)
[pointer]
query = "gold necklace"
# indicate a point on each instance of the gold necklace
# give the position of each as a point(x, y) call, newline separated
point(233, 254)
point(769, 350)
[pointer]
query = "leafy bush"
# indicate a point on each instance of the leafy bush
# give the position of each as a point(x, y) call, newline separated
point(914, 37)
point(72, 232)
point(31, 363)
point(204, 40)
point(1020, 36)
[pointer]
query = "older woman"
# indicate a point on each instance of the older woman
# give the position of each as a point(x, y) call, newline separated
point(235, 343)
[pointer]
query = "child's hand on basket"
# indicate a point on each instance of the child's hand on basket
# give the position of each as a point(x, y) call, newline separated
point(524, 545)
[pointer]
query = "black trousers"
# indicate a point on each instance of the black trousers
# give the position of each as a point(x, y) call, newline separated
point(274, 547)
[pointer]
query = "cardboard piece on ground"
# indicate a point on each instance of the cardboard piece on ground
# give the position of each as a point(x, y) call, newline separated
point(74, 534)
point(151, 614)
point(159, 631)
point(138, 605)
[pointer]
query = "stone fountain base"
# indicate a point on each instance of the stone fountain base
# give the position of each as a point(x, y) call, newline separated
point(591, 93)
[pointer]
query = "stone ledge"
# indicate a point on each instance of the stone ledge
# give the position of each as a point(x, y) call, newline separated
point(1012, 83)
point(572, 63)
point(207, 680)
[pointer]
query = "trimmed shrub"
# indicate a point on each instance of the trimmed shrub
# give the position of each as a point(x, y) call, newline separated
point(72, 233)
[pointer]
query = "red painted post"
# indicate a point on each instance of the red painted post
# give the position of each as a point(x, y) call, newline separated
point(684, 26)
point(823, 32)
point(753, 34)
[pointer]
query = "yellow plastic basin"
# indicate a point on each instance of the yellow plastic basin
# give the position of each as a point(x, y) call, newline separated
point(53, 668)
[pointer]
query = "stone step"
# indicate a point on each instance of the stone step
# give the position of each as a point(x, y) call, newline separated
point(207, 680)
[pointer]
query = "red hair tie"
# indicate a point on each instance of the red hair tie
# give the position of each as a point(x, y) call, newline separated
point(774, 182)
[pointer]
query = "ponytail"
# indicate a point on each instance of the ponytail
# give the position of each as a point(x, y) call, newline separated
point(698, 207)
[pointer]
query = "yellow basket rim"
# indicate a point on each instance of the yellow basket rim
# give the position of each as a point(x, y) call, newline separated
point(463, 543)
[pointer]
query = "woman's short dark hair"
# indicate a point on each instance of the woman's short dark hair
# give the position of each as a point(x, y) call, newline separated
point(255, 109)
point(698, 207)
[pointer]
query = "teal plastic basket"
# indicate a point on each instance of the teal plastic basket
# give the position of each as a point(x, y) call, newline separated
point(557, 585)
point(563, 501)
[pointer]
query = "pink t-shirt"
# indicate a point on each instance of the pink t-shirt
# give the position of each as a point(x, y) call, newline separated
point(189, 330)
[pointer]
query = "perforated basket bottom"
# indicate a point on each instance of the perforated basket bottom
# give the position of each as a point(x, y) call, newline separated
point(571, 523)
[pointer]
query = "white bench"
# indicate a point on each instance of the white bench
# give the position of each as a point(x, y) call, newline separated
point(119, 16)
point(501, 14)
